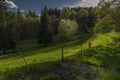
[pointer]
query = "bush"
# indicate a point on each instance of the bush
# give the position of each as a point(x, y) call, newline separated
point(67, 29)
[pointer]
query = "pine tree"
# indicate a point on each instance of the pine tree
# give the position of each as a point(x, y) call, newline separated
point(44, 34)
point(82, 19)
point(2, 9)
point(31, 14)
point(3, 6)
point(6, 36)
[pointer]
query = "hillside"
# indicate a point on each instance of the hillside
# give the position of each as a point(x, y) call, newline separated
point(100, 62)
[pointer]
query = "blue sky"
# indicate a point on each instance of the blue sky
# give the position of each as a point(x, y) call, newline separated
point(37, 5)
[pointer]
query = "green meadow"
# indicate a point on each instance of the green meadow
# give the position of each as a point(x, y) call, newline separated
point(104, 53)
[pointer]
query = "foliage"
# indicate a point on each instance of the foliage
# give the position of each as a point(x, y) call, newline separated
point(65, 13)
point(3, 6)
point(115, 15)
point(82, 13)
point(105, 24)
point(67, 29)
point(25, 27)
point(108, 75)
point(72, 14)
point(31, 14)
point(107, 16)
point(82, 19)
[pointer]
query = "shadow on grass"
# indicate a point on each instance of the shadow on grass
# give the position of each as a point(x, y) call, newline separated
point(18, 54)
point(55, 70)
point(35, 71)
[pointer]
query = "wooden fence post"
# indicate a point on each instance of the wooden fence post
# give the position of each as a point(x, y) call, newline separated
point(62, 51)
point(21, 50)
point(81, 49)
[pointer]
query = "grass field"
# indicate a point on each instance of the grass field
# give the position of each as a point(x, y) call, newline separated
point(34, 54)
point(38, 55)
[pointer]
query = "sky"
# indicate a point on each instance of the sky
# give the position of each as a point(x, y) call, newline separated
point(37, 5)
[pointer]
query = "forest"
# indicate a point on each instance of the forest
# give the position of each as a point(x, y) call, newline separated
point(80, 43)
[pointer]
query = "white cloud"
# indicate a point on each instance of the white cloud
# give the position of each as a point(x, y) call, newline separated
point(22, 11)
point(83, 3)
point(11, 4)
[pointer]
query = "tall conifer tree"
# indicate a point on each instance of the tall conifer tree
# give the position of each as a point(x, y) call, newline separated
point(44, 34)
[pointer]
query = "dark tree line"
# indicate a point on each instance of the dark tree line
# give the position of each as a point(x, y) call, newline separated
point(16, 26)
point(26, 25)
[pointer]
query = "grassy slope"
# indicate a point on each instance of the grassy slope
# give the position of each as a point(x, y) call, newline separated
point(33, 54)
point(105, 55)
